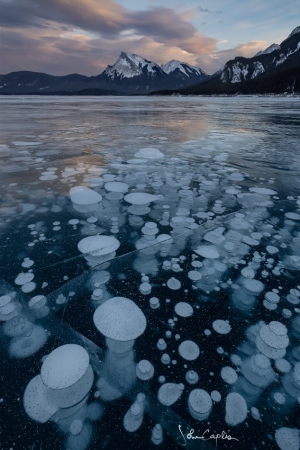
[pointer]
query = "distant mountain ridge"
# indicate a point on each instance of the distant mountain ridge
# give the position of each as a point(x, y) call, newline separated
point(131, 74)
point(243, 69)
point(273, 70)
point(134, 75)
point(184, 73)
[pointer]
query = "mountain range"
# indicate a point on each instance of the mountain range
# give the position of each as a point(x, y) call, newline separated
point(275, 69)
point(131, 74)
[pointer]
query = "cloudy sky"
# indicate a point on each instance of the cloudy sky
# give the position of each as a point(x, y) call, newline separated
point(84, 36)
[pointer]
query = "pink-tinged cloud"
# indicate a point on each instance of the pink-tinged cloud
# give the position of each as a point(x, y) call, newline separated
point(248, 50)
point(217, 59)
point(61, 55)
point(63, 36)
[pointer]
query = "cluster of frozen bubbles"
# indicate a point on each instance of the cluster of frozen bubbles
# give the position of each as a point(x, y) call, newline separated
point(201, 224)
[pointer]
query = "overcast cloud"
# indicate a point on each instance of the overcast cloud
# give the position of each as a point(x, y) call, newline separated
point(84, 36)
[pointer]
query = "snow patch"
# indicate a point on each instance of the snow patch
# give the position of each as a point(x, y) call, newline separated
point(258, 68)
point(183, 67)
point(268, 50)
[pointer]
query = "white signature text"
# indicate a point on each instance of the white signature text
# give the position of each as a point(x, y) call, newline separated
point(206, 436)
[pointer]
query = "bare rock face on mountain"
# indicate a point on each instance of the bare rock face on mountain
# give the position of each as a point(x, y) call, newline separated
point(243, 69)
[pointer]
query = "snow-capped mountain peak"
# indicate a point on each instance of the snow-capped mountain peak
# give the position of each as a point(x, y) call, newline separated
point(295, 30)
point(269, 49)
point(147, 74)
point(173, 65)
point(124, 67)
point(185, 68)
point(243, 69)
point(128, 66)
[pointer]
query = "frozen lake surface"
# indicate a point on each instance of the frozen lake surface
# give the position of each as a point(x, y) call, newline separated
point(150, 273)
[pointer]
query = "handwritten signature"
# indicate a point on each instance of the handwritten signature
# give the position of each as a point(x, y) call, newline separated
point(206, 436)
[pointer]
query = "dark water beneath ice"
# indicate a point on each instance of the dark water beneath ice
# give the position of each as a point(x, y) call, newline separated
point(231, 166)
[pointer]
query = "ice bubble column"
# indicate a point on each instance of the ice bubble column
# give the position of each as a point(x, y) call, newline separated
point(291, 384)
point(199, 404)
point(157, 434)
point(236, 409)
point(149, 231)
point(244, 298)
point(144, 370)
point(121, 321)
point(258, 370)
point(9, 307)
point(84, 199)
point(257, 375)
point(65, 380)
point(98, 249)
point(133, 418)
point(27, 337)
point(165, 241)
point(272, 340)
point(139, 202)
point(166, 216)
point(296, 326)
point(67, 375)
point(114, 225)
point(38, 306)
